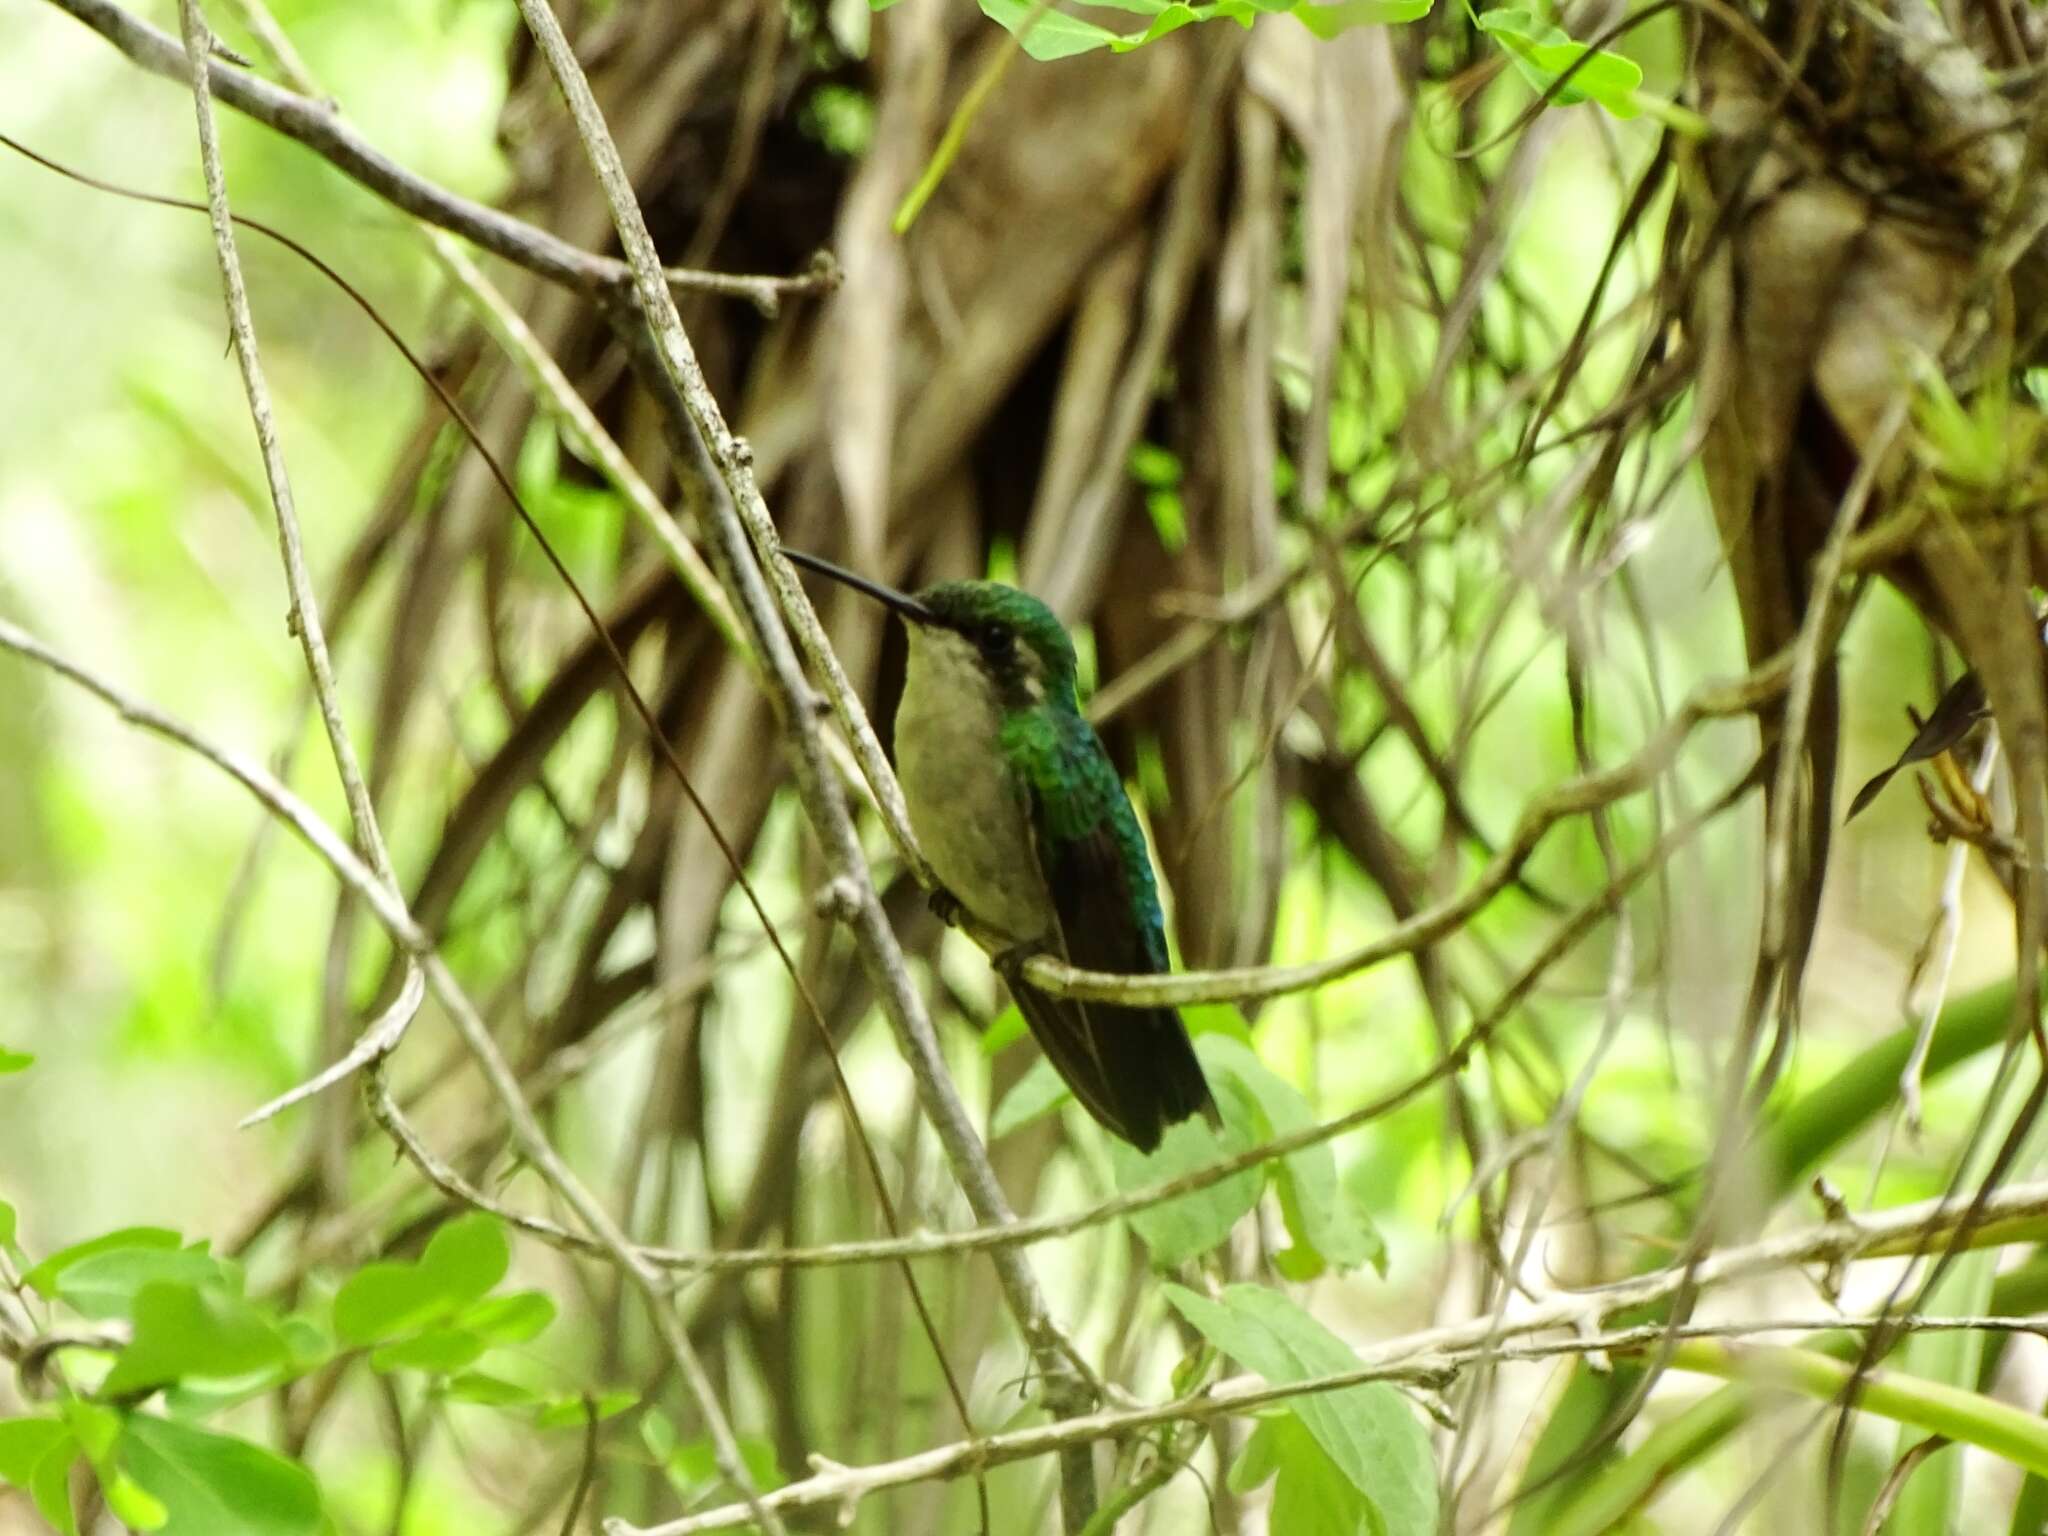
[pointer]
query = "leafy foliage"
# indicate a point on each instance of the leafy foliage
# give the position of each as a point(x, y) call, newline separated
point(1368, 1433)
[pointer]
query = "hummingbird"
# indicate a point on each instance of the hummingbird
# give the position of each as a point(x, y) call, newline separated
point(1025, 821)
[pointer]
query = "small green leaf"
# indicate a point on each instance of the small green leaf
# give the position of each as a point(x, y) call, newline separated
point(1155, 467)
point(1005, 1031)
point(439, 1351)
point(6, 1225)
point(1312, 1498)
point(94, 1426)
point(1326, 1228)
point(132, 1504)
point(213, 1485)
point(564, 1411)
point(1326, 21)
point(50, 1486)
point(693, 1466)
point(1193, 1223)
point(1051, 34)
point(24, 1443)
point(45, 1276)
point(1545, 54)
point(1032, 1097)
point(1368, 1430)
point(184, 1330)
point(1216, 1019)
point(487, 1391)
point(383, 1300)
point(658, 1434)
point(14, 1061)
point(512, 1319)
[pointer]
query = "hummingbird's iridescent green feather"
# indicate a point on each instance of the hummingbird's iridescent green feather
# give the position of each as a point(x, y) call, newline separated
point(1133, 1068)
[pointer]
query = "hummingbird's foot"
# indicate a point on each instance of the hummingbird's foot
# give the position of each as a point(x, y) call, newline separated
point(946, 907)
point(1009, 962)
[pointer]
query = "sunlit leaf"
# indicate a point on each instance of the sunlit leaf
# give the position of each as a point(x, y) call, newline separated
point(1368, 1430)
point(14, 1061)
point(560, 1412)
point(215, 1485)
point(438, 1350)
point(36, 1456)
point(1545, 54)
point(1327, 21)
point(1326, 1227)
point(132, 1504)
point(184, 1330)
point(1313, 1497)
point(464, 1259)
point(1007, 1028)
point(1032, 1097)
point(45, 1276)
point(487, 1391)
point(512, 1319)
point(1194, 1223)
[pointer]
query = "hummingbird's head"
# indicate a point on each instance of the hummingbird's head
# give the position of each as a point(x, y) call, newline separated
point(1013, 638)
point(1005, 640)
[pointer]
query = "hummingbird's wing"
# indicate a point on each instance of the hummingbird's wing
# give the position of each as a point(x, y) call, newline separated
point(1133, 1069)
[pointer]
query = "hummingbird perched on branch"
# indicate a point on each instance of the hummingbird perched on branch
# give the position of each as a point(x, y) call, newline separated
point(1024, 819)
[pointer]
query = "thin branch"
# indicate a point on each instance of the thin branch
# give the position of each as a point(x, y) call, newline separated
point(319, 127)
point(1575, 797)
point(303, 616)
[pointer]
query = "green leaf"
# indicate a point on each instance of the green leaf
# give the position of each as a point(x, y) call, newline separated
point(693, 1465)
point(439, 1350)
point(487, 1390)
point(1216, 1019)
point(1313, 1497)
point(95, 1427)
point(383, 1300)
point(1005, 1031)
point(1368, 1430)
point(14, 1061)
point(1326, 21)
point(1155, 467)
point(24, 1443)
point(36, 1456)
point(184, 1330)
point(1194, 1223)
point(564, 1411)
point(213, 1485)
point(1326, 1228)
point(108, 1284)
point(132, 1504)
point(105, 1283)
point(512, 1319)
point(1545, 54)
point(6, 1225)
point(1053, 35)
point(50, 1487)
point(1032, 1097)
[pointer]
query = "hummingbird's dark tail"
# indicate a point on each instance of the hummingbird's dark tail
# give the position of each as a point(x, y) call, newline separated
point(1133, 1069)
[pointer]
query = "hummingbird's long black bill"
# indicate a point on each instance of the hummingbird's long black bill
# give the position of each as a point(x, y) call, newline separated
point(889, 597)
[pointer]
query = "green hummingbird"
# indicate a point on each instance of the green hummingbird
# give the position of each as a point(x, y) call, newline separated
point(1024, 819)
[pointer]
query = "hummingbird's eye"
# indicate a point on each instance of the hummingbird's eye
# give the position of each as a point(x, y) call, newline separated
point(997, 643)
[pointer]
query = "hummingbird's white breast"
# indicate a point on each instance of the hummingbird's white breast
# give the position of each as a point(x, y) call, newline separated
point(966, 807)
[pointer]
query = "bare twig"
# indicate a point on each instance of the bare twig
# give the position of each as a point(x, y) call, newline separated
point(316, 125)
point(303, 618)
